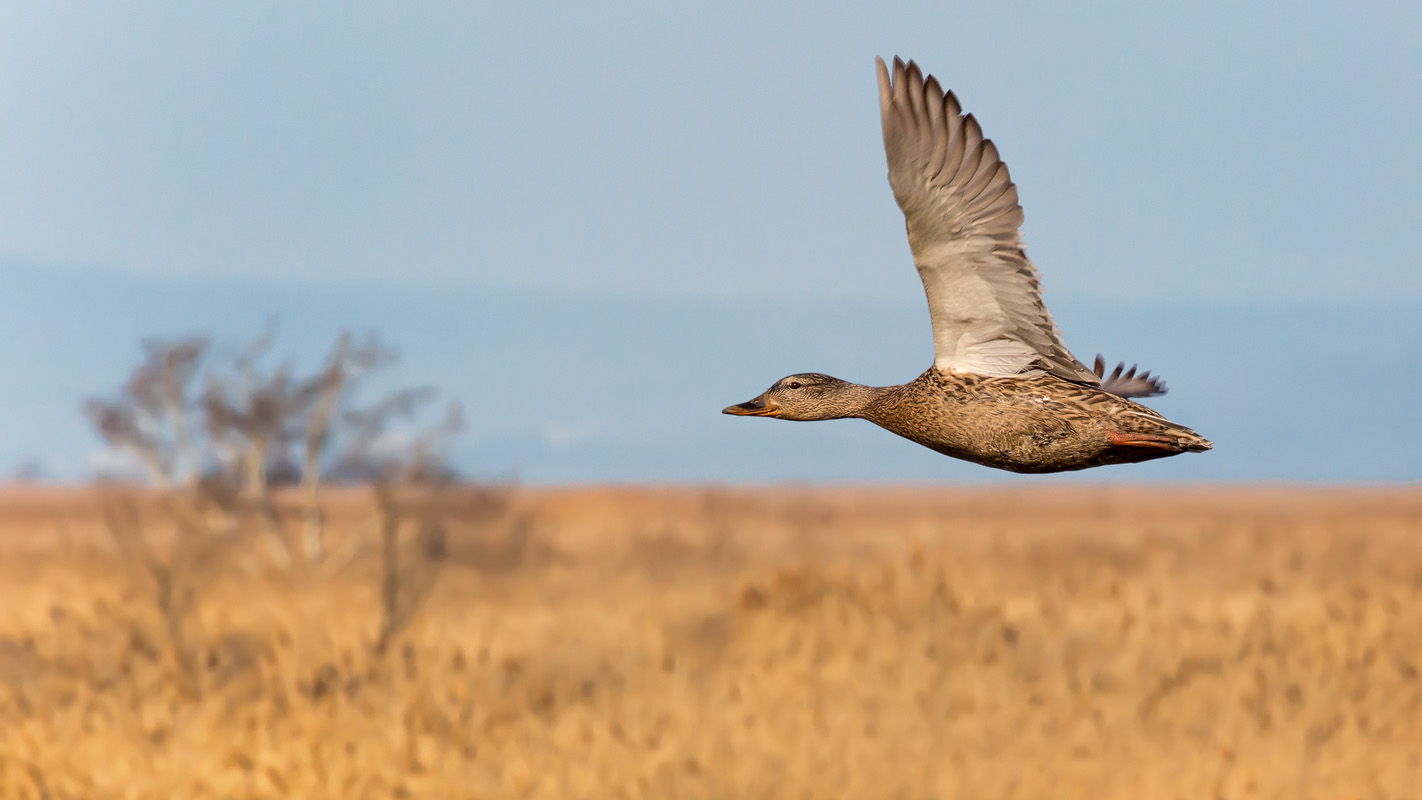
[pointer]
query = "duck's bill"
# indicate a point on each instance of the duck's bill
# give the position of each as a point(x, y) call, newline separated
point(752, 408)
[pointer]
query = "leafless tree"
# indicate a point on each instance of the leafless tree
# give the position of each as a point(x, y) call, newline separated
point(259, 418)
point(211, 456)
point(149, 420)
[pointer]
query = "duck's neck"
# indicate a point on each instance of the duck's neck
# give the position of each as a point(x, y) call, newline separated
point(854, 400)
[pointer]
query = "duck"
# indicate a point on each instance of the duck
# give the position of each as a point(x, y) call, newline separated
point(1003, 390)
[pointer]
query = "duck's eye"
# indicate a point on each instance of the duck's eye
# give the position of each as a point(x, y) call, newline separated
point(792, 385)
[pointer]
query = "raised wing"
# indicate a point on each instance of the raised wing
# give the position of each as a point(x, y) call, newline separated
point(962, 213)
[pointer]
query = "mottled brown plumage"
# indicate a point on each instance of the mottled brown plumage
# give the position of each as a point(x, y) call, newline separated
point(1004, 391)
point(1037, 423)
point(1032, 424)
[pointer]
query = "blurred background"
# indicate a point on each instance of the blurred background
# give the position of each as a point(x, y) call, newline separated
point(596, 226)
point(405, 331)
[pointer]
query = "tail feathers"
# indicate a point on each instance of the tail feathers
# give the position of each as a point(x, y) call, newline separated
point(1124, 382)
point(1195, 443)
point(1180, 436)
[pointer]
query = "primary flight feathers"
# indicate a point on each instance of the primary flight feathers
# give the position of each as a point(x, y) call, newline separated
point(984, 295)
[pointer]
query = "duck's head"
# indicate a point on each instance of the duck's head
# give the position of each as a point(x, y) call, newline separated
point(804, 397)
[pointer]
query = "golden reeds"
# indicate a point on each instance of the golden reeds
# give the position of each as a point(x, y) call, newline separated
point(718, 644)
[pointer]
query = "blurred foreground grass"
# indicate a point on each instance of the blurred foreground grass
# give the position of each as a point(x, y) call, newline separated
point(1086, 643)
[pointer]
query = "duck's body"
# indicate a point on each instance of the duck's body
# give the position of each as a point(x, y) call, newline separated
point(1032, 424)
point(1003, 391)
point(1035, 423)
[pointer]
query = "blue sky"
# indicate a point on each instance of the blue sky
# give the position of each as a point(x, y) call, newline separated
point(696, 175)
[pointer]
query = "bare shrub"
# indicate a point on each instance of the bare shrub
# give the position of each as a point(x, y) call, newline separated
point(215, 458)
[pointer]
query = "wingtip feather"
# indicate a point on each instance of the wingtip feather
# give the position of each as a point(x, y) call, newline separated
point(1124, 382)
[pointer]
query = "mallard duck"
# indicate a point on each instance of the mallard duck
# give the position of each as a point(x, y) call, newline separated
point(1003, 390)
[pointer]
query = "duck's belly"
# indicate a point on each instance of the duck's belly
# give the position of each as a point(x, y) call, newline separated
point(1004, 443)
point(1034, 451)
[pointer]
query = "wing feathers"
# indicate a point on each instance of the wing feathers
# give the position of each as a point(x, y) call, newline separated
point(963, 215)
point(986, 197)
point(1128, 384)
point(953, 149)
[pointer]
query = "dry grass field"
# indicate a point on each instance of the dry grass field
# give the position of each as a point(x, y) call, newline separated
point(704, 643)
